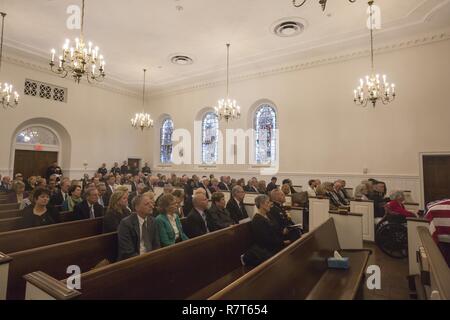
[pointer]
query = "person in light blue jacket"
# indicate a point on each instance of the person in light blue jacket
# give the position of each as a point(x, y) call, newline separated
point(168, 222)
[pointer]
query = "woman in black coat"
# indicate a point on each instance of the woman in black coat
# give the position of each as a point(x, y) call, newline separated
point(39, 214)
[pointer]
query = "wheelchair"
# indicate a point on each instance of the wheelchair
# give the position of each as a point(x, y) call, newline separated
point(391, 235)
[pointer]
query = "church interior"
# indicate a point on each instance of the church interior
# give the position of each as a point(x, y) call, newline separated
point(224, 150)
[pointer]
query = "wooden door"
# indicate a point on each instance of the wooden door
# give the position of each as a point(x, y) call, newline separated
point(131, 162)
point(436, 177)
point(33, 163)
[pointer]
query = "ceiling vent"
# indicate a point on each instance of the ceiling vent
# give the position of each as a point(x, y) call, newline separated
point(288, 27)
point(181, 60)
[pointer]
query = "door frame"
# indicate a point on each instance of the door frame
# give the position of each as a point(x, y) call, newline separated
point(22, 146)
point(422, 183)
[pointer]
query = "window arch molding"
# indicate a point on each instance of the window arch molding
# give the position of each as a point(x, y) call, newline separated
point(165, 139)
point(275, 139)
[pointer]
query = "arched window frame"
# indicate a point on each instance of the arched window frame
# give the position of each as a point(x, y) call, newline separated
point(210, 138)
point(166, 131)
point(265, 149)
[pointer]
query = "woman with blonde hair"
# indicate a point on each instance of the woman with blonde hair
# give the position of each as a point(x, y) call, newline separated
point(168, 222)
point(19, 193)
point(117, 209)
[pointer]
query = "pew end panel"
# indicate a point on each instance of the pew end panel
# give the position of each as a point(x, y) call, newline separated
point(41, 286)
point(434, 271)
point(414, 243)
point(318, 211)
point(349, 228)
point(366, 208)
point(4, 269)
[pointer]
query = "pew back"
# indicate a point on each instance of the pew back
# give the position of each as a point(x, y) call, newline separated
point(9, 206)
point(300, 272)
point(366, 208)
point(23, 239)
point(434, 266)
point(54, 260)
point(290, 274)
point(175, 272)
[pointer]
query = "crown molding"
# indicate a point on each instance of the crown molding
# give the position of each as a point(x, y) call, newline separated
point(419, 40)
point(108, 85)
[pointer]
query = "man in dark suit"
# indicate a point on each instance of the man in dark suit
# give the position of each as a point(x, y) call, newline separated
point(224, 184)
point(196, 223)
point(204, 184)
point(252, 186)
point(272, 185)
point(280, 218)
point(109, 189)
point(135, 183)
point(124, 169)
point(89, 208)
point(5, 184)
point(115, 170)
point(61, 195)
point(377, 196)
point(236, 204)
point(218, 216)
point(102, 169)
point(146, 169)
point(134, 170)
point(138, 233)
point(53, 169)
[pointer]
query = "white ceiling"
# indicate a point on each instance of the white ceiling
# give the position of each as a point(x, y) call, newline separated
point(143, 33)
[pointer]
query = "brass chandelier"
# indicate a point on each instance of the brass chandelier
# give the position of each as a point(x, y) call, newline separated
point(323, 3)
point(79, 61)
point(142, 120)
point(227, 108)
point(375, 88)
point(8, 98)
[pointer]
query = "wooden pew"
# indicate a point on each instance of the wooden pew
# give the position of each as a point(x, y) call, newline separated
point(414, 243)
point(319, 209)
point(366, 208)
point(300, 272)
point(54, 259)
point(434, 271)
point(10, 214)
point(193, 269)
point(16, 223)
point(9, 224)
point(349, 228)
point(9, 206)
point(23, 239)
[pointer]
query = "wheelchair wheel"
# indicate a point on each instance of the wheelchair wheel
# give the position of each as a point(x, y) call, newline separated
point(392, 239)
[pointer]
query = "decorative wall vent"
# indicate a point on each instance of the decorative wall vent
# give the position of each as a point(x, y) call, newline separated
point(45, 91)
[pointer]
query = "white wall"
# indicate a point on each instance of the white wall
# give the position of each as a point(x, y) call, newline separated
point(96, 120)
point(323, 134)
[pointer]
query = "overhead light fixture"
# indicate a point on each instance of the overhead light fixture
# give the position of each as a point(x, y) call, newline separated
point(79, 61)
point(227, 108)
point(375, 87)
point(8, 98)
point(142, 120)
point(323, 3)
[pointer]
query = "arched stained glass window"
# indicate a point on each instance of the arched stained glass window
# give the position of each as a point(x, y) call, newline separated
point(210, 138)
point(265, 123)
point(166, 141)
point(37, 135)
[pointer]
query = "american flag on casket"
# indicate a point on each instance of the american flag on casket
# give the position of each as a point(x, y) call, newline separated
point(438, 213)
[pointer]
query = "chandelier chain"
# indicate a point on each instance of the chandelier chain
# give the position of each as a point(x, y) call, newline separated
point(228, 69)
point(143, 90)
point(82, 19)
point(371, 35)
point(1, 42)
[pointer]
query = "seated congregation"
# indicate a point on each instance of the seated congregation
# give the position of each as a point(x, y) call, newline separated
point(136, 213)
